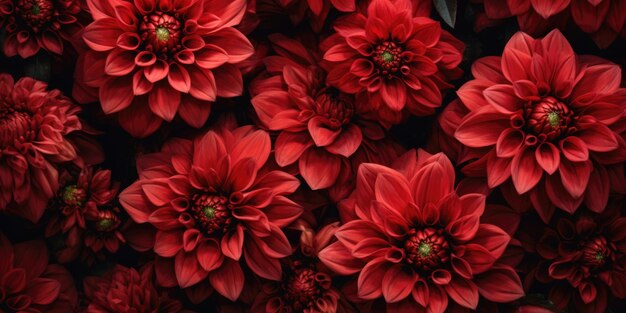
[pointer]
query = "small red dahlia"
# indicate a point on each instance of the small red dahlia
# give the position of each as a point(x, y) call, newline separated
point(37, 128)
point(417, 244)
point(152, 59)
point(306, 285)
point(85, 216)
point(29, 284)
point(125, 290)
point(32, 25)
point(321, 129)
point(211, 201)
point(582, 258)
point(546, 119)
point(397, 61)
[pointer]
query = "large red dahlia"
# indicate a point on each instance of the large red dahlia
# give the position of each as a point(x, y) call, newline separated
point(29, 284)
point(32, 25)
point(392, 58)
point(151, 59)
point(36, 130)
point(546, 119)
point(417, 244)
point(211, 201)
point(603, 19)
point(125, 290)
point(321, 129)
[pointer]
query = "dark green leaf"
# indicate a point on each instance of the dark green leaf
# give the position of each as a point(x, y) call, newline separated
point(447, 10)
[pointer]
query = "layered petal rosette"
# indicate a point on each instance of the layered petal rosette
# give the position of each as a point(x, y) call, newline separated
point(126, 290)
point(37, 128)
point(31, 26)
point(581, 259)
point(604, 20)
point(29, 284)
point(214, 204)
point(546, 120)
point(322, 130)
point(397, 61)
point(417, 244)
point(150, 60)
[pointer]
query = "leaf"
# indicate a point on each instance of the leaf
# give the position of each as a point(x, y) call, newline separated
point(447, 10)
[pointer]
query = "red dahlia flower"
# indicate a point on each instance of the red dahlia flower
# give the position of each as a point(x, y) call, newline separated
point(151, 59)
point(211, 201)
point(38, 24)
point(392, 58)
point(36, 132)
point(125, 290)
point(30, 284)
point(84, 214)
point(323, 130)
point(417, 244)
point(546, 119)
point(306, 285)
point(603, 19)
point(582, 258)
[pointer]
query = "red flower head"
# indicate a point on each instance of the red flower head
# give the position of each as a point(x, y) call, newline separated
point(546, 119)
point(125, 290)
point(31, 25)
point(417, 244)
point(36, 130)
point(212, 200)
point(151, 59)
point(306, 285)
point(583, 258)
point(29, 283)
point(396, 61)
point(603, 19)
point(321, 129)
point(84, 214)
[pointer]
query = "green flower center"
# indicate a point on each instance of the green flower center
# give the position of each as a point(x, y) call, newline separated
point(209, 212)
point(386, 56)
point(36, 9)
point(162, 34)
point(599, 256)
point(554, 119)
point(424, 249)
point(105, 223)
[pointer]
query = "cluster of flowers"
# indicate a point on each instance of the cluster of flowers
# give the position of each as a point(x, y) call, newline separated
point(305, 200)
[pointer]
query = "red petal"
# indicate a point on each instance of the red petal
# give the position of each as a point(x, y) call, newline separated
point(575, 176)
point(525, 171)
point(397, 283)
point(188, 269)
point(228, 280)
point(548, 157)
point(500, 285)
point(319, 168)
point(463, 291)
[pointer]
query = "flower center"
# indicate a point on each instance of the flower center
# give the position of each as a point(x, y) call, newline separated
point(212, 213)
point(302, 288)
point(387, 57)
point(15, 127)
point(161, 33)
point(596, 253)
point(426, 249)
point(107, 221)
point(74, 196)
point(334, 105)
point(35, 13)
point(549, 119)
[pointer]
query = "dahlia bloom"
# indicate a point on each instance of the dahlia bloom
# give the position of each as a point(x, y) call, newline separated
point(603, 19)
point(212, 201)
point(321, 129)
point(83, 213)
point(39, 24)
point(582, 258)
point(30, 284)
point(125, 290)
point(547, 120)
point(306, 285)
point(152, 59)
point(396, 61)
point(419, 245)
point(36, 130)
